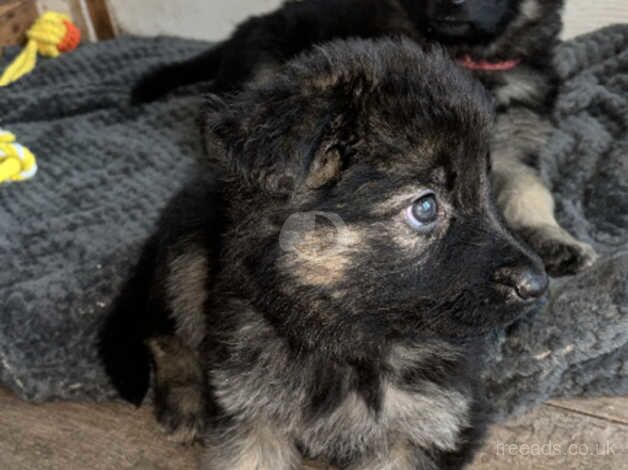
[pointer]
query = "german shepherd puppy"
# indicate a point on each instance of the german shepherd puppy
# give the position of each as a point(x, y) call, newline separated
point(361, 266)
point(507, 44)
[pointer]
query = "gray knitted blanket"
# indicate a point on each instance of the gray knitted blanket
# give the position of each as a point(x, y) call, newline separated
point(69, 236)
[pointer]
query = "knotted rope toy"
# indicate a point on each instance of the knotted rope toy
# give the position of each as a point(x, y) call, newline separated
point(52, 34)
point(17, 163)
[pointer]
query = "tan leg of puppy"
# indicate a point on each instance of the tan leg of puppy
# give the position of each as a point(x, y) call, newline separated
point(179, 400)
point(525, 202)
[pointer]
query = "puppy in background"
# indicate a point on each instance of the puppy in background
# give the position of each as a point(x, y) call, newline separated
point(361, 267)
point(507, 44)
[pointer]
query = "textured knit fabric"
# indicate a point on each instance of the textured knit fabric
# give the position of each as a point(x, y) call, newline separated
point(69, 236)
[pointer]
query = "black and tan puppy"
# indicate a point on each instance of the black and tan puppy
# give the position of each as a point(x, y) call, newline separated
point(507, 44)
point(361, 264)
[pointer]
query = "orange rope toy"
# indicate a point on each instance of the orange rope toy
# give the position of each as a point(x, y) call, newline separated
point(52, 34)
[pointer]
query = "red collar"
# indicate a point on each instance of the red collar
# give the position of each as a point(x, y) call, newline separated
point(471, 64)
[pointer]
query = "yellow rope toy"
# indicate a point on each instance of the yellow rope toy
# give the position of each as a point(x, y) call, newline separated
point(51, 34)
point(17, 163)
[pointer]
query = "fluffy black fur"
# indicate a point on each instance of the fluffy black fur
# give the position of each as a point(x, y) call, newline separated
point(355, 343)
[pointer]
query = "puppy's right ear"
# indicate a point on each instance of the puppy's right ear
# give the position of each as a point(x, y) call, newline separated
point(325, 167)
point(330, 155)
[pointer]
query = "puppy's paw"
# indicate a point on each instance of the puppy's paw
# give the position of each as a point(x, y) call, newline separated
point(179, 399)
point(561, 253)
point(180, 416)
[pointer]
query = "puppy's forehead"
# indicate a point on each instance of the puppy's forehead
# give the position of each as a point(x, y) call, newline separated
point(454, 142)
point(431, 155)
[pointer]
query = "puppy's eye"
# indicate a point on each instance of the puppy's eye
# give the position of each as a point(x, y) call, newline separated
point(423, 212)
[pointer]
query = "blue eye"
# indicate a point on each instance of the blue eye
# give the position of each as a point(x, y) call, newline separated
point(423, 212)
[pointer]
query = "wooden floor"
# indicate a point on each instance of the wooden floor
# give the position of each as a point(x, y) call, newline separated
point(581, 434)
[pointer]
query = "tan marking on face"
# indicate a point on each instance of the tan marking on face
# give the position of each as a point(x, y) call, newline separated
point(322, 256)
point(404, 237)
point(396, 226)
point(186, 288)
point(397, 201)
point(327, 273)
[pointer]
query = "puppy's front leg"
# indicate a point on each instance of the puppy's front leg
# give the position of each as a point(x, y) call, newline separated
point(525, 202)
point(528, 208)
point(246, 445)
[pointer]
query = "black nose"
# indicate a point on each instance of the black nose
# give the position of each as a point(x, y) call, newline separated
point(528, 283)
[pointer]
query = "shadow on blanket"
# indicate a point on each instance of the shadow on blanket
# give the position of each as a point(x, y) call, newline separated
point(68, 237)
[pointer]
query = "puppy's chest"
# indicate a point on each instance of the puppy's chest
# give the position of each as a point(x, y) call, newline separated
point(262, 380)
point(425, 415)
point(278, 390)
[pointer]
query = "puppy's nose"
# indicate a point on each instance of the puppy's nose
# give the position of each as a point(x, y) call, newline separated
point(528, 283)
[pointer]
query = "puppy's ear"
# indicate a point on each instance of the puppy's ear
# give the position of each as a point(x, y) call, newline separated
point(324, 168)
point(329, 154)
point(280, 144)
point(286, 137)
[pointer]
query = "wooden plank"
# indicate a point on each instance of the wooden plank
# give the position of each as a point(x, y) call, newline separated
point(115, 436)
point(81, 436)
point(6, 5)
point(551, 437)
point(16, 17)
point(613, 409)
point(101, 19)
